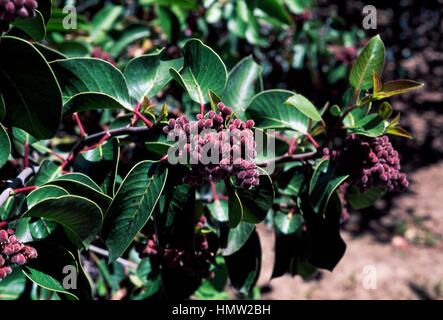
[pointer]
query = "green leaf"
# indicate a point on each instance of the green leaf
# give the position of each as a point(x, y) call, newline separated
point(203, 70)
point(235, 208)
point(48, 171)
point(185, 4)
point(148, 74)
point(398, 131)
point(244, 81)
point(34, 27)
point(360, 200)
point(100, 164)
point(89, 84)
point(268, 109)
point(13, 285)
point(47, 270)
point(81, 185)
point(369, 62)
point(371, 126)
point(288, 223)
point(244, 265)
point(304, 106)
point(392, 88)
point(132, 206)
point(50, 54)
point(80, 217)
point(219, 210)
point(44, 193)
point(132, 33)
point(104, 20)
point(274, 9)
point(327, 246)
point(237, 237)
point(385, 110)
point(323, 184)
point(257, 202)
point(5, 146)
point(30, 91)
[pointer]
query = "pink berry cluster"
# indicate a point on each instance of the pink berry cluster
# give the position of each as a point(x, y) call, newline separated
point(99, 53)
point(196, 263)
point(232, 140)
point(345, 55)
point(13, 252)
point(12, 9)
point(377, 162)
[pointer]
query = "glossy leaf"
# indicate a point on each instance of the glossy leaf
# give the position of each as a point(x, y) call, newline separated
point(82, 185)
point(132, 206)
point(268, 109)
point(323, 184)
point(100, 164)
point(47, 270)
point(244, 81)
point(203, 70)
point(104, 20)
point(35, 27)
point(5, 146)
point(360, 200)
point(80, 217)
point(372, 126)
point(304, 106)
point(235, 207)
point(244, 265)
point(44, 193)
point(30, 91)
point(257, 202)
point(392, 88)
point(288, 223)
point(237, 237)
point(219, 210)
point(148, 74)
point(13, 285)
point(89, 84)
point(369, 62)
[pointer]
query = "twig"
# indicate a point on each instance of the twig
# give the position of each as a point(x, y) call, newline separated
point(105, 253)
point(15, 183)
point(96, 137)
point(79, 124)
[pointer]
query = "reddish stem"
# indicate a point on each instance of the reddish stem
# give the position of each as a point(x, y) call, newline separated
point(26, 156)
point(292, 146)
point(214, 191)
point(143, 118)
point(66, 162)
point(164, 158)
point(55, 154)
point(3, 224)
point(100, 142)
point(135, 116)
point(314, 143)
point(79, 124)
point(24, 189)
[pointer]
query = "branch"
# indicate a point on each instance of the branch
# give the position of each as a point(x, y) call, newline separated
point(288, 158)
point(105, 253)
point(97, 137)
point(16, 183)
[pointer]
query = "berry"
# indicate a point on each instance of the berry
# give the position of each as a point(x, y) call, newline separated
point(231, 140)
point(99, 53)
point(13, 252)
point(196, 263)
point(372, 162)
point(12, 9)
